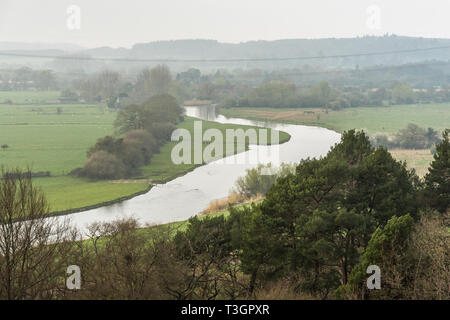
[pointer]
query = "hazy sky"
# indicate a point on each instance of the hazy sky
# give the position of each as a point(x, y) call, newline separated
point(125, 22)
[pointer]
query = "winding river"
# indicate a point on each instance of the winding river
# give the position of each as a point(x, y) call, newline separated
point(188, 195)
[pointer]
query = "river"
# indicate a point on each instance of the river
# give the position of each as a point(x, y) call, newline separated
point(188, 195)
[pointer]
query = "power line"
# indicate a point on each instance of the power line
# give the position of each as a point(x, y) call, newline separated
point(23, 55)
point(361, 71)
point(320, 72)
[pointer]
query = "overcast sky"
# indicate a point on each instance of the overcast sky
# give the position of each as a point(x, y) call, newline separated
point(125, 22)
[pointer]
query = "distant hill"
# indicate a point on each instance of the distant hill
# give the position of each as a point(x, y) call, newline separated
point(211, 49)
point(38, 46)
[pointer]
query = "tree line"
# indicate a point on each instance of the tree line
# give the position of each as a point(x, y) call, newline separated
point(142, 129)
point(232, 88)
point(411, 137)
point(286, 94)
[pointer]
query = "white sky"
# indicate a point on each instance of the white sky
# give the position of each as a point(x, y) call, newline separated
point(125, 22)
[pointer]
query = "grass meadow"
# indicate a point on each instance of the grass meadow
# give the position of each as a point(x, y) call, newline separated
point(26, 97)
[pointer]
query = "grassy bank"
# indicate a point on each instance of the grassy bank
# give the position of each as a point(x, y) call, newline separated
point(66, 192)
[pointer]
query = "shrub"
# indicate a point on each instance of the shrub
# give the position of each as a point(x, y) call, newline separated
point(133, 155)
point(108, 144)
point(144, 140)
point(258, 180)
point(162, 131)
point(104, 165)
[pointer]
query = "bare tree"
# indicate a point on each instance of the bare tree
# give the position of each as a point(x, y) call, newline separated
point(34, 249)
point(430, 244)
point(117, 261)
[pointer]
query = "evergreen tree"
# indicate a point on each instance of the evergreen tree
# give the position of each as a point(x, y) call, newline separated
point(313, 225)
point(437, 180)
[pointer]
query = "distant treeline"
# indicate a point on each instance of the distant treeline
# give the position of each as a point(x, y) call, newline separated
point(281, 94)
point(305, 86)
point(412, 137)
point(26, 78)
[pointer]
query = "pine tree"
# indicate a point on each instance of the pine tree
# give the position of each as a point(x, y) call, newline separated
point(437, 180)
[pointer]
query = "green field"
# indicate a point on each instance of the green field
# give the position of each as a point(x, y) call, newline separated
point(39, 137)
point(374, 120)
point(55, 138)
point(26, 97)
point(66, 192)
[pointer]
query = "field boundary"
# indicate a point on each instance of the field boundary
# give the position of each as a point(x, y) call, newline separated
point(121, 199)
point(101, 204)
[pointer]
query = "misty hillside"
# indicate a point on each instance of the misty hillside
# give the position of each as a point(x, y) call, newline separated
point(37, 46)
point(213, 50)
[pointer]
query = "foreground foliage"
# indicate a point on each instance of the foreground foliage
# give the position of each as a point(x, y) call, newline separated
point(312, 237)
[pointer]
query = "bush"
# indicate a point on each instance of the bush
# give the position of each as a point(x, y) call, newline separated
point(133, 156)
point(258, 180)
point(412, 137)
point(108, 144)
point(163, 108)
point(162, 131)
point(130, 152)
point(104, 165)
point(146, 141)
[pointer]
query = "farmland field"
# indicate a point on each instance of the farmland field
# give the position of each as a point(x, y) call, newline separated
point(374, 120)
point(26, 97)
point(47, 141)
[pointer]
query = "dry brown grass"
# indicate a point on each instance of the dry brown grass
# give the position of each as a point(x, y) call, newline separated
point(303, 115)
point(281, 290)
point(234, 198)
point(418, 159)
point(196, 102)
